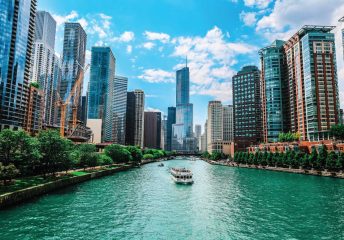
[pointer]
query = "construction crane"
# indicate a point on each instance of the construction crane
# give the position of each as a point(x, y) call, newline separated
point(75, 94)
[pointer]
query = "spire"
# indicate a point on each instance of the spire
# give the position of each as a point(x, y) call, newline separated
point(186, 61)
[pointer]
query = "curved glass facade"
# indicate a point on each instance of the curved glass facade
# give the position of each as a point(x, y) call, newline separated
point(16, 43)
point(273, 89)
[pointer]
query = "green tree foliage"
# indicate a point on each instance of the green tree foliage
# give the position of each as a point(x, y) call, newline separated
point(288, 137)
point(19, 148)
point(7, 173)
point(322, 156)
point(136, 153)
point(55, 151)
point(216, 156)
point(337, 131)
point(331, 161)
point(87, 155)
point(118, 153)
point(148, 156)
point(105, 160)
point(206, 155)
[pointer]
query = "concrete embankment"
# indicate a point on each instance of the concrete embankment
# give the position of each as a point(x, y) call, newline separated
point(13, 198)
point(313, 172)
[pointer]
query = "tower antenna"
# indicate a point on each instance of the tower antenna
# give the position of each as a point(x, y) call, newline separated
point(186, 61)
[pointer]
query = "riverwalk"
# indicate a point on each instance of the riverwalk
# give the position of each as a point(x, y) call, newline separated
point(314, 172)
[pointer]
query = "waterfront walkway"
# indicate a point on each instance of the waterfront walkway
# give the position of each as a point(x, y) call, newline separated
point(314, 172)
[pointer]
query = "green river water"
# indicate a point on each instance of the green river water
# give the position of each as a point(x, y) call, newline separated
point(223, 203)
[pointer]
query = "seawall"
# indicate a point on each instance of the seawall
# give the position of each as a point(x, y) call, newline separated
point(13, 198)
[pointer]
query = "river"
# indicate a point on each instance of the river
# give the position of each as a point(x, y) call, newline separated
point(223, 203)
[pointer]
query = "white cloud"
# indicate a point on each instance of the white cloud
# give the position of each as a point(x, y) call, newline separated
point(148, 45)
point(258, 3)
point(210, 59)
point(249, 18)
point(126, 36)
point(162, 37)
point(288, 16)
point(83, 22)
point(129, 49)
point(157, 76)
point(61, 19)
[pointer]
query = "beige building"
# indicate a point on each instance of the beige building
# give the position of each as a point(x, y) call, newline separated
point(96, 126)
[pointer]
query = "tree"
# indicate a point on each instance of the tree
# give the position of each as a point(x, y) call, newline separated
point(88, 156)
point(136, 153)
point(19, 148)
point(206, 155)
point(337, 131)
point(148, 156)
point(216, 156)
point(8, 172)
point(118, 153)
point(321, 160)
point(288, 137)
point(105, 160)
point(313, 157)
point(54, 149)
point(305, 161)
point(331, 161)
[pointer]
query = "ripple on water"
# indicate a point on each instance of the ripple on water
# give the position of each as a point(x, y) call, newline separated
point(223, 203)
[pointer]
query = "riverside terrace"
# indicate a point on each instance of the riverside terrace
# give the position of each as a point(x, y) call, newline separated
point(304, 146)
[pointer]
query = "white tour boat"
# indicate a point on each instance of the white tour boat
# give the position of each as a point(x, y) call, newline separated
point(181, 175)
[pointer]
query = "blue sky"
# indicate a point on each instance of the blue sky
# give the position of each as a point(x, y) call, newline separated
point(151, 38)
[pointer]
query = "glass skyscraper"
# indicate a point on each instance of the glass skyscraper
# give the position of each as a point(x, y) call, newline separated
point(313, 85)
point(102, 75)
point(74, 50)
point(16, 44)
point(46, 64)
point(117, 97)
point(274, 92)
point(171, 119)
point(183, 139)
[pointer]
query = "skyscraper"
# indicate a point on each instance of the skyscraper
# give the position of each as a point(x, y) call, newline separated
point(163, 132)
point(247, 107)
point(84, 109)
point(16, 45)
point(197, 135)
point(135, 118)
point(102, 75)
point(46, 65)
point(274, 92)
point(313, 84)
point(215, 126)
point(118, 99)
point(183, 139)
point(73, 59)
point(171, 119)
point(227, 123)
point(152, 130)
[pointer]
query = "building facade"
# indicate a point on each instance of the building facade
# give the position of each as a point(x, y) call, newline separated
point(182, 131)
point(228, 125)
point(171, 119)
point(118, 100)
point(312, 82)
point(35, 109)
point(46, 68)
point(102, 74)
point(152, 130)
point(73, 60)
point(16, 48)
point(135, 118)
point(274, 92)
point(215, 126)
point(247, 107)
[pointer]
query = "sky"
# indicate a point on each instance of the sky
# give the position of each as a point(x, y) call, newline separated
point(151, 39)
